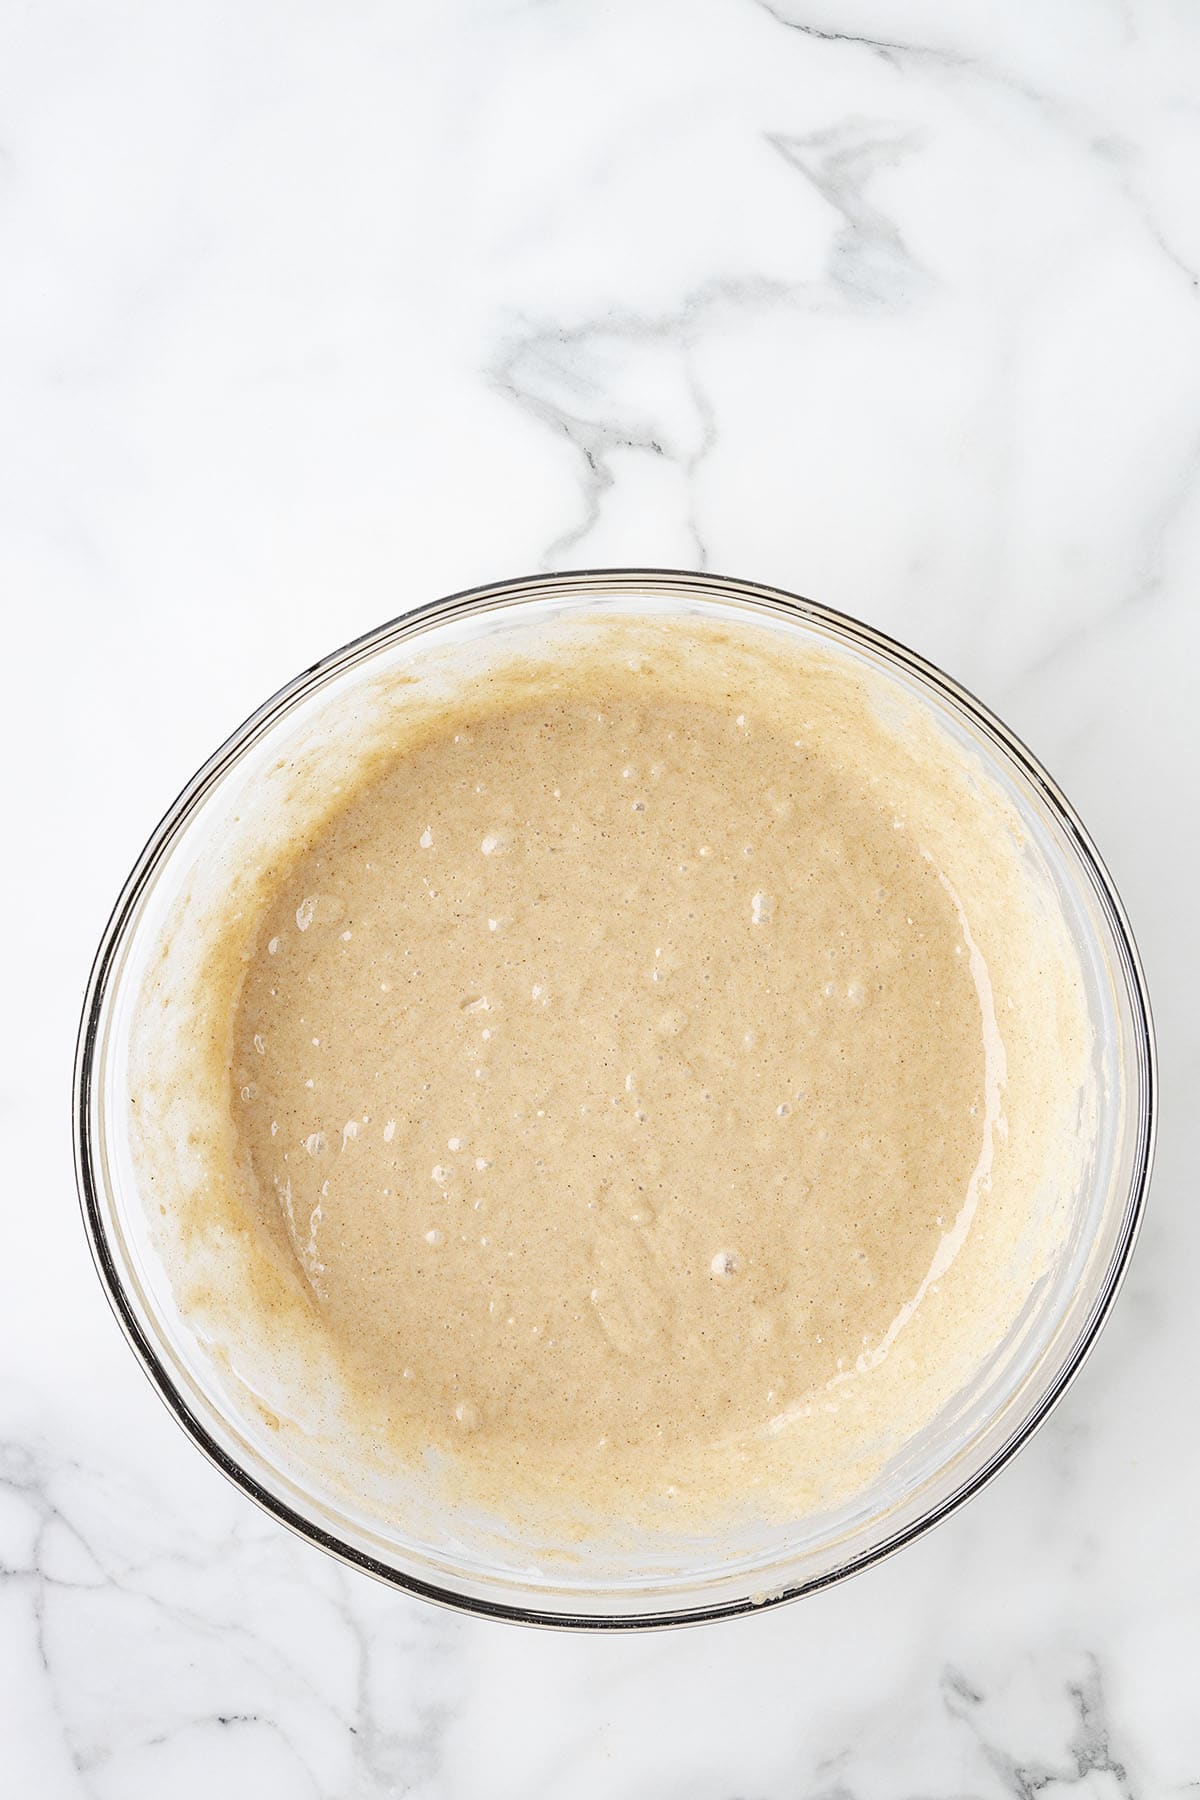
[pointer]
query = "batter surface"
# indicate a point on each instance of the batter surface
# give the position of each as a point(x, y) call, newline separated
point(624, 1064)
point(617, 1068)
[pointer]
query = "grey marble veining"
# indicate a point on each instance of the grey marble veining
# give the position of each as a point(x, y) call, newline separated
point(312, 313)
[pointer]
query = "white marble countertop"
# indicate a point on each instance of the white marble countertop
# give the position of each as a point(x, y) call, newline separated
point(312, 312)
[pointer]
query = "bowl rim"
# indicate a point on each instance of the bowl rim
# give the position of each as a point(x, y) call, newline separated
point(466, 602)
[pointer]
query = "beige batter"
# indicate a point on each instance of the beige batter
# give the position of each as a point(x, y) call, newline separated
point(629, 1064)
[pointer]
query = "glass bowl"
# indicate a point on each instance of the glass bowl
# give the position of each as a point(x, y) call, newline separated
point(718, 1577)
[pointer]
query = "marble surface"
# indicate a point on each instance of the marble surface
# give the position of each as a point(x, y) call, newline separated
point(310, 312)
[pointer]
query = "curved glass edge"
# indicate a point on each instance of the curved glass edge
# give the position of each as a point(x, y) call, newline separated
point(580, 584)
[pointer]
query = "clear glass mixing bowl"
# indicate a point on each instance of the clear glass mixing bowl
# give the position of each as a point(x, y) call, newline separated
point(712, 1577)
